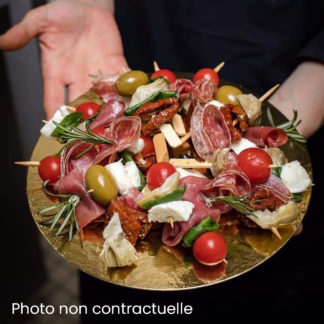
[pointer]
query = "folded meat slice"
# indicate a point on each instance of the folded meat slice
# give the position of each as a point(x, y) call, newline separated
point(204, 90)
point(134, 223)
point(183, 87)
point(278, 189)
point(108, 113)
point(194, 186)
point(266, 136)
point(88, 210)
point(209, 130)
point(130, 200)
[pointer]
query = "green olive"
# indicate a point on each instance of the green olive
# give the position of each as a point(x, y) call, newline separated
point(102, 184)
point(128, 82)
point(227, 94)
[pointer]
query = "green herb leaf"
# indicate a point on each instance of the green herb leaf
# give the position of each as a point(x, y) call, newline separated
point(297, 197)
point(173, 196)
point(277, 171)
point(69, 121)
point(206, 225)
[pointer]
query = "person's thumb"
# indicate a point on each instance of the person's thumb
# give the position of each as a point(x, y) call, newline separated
point(20, 34)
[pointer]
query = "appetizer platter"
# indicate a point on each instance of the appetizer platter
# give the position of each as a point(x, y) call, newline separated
point(168, 180)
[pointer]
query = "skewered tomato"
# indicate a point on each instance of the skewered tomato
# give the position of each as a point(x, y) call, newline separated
point(255, 163)
point(157, 174)
point(210, 248)
point(227, 94)
point(88, 109)
point(167, 74)
point(102, 183)
point(148, 148)
point(50, 168)
point(206, 73)
point(128, 82)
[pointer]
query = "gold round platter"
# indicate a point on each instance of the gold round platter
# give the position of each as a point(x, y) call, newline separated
point(157, 268)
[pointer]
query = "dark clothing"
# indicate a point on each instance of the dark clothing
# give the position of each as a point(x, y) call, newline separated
point(260, 41)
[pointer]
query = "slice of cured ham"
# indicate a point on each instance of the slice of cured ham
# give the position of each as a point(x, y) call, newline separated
point(105, 87)
point(124, 131)
point(88, 210)
point(278, 189)
point(194, 185)
point(109, 112)
point(266, 136)
point(183, 87)
point(208, 130)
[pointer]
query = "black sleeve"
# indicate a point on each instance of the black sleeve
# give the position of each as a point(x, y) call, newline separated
point(314, 49)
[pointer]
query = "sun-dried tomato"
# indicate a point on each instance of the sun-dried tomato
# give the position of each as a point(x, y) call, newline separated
point(144, 162)
point(134, 223)
point(261, 199)
point(236, 120)
point(154, 114)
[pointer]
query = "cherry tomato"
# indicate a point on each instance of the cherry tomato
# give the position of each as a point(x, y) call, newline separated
point(88, 109)
point(50, 168)
point(148, 146)
point(157, 174)
point(167, 74)
point(255, 164)
point(206, 73)
point(210, 248)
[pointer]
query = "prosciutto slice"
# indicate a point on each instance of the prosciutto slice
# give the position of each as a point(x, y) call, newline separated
point(209, 130)
point(278, 189)
point(266, 136)
point(105, 87)
point(88, 210)
point(109, 112)
point(130, 200)
point(194, 185)
point(183, 87)
point(124, 131)
point(204, 90)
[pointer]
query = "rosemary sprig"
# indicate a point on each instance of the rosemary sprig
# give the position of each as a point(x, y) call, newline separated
point(241, 204)
point(76, 133)
point(290, 127)
point(66, 212)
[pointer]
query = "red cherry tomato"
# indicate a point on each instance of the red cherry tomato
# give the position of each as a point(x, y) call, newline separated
point(50, 168)
point(255, 164)
point(148, 148)
point(88, 109)
point(167, 74)
point(210, 248)
point(206, 73)
point(157, 174)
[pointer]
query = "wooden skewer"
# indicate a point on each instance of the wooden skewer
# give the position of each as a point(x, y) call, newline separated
point(219, 67)
point(90, 191)
point(235, 121)
point(156, 66)
point(275, 231)
point(269, 93)
point(71, 109)
point(273, 166)
point(171, 221)
point(185, 138)
point(28, 163)
point(45, 121)
point(190, 164)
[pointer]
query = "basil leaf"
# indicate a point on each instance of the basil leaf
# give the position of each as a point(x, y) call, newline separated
point(69, 121)
point(297, 197)
point(277, 171)
point(206, 225)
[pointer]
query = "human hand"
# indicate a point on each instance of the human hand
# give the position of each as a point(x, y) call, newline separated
point(76, 39)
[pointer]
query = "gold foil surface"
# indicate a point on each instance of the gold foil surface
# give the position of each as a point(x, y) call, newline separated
point(157, 269)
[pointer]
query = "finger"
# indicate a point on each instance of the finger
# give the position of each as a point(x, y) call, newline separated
point(20, 34)
point(299, 229)
point(54, 95)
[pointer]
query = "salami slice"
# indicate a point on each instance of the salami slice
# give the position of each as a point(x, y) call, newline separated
point(109, 112)
point(208, 130)
point(266, 136)
point(194, 185)
point(88, 210)
point(183, 87)
point(204, 90)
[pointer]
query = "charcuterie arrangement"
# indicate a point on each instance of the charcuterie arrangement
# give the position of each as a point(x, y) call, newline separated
point(186, 159)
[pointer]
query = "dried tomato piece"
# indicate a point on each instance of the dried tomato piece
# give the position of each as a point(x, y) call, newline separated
point(261, 199)
point(131, 220)
point(154, 114)
point(236, 120)
point(144, 162)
